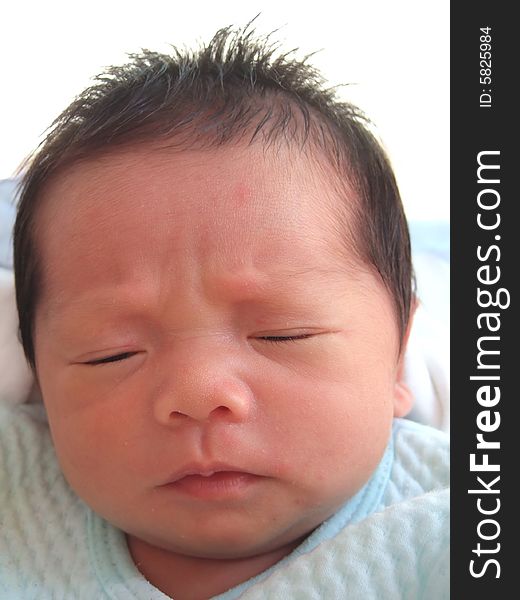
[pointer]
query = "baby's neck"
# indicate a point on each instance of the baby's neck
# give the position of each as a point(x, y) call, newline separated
point(191, 578)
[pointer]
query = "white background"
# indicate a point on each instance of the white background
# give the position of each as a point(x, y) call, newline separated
point(395, 53)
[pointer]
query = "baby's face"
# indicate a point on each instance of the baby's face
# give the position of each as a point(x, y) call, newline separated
point(218, 378)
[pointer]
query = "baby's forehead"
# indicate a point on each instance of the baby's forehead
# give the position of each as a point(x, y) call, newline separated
point(279, 191)
point(237, 164)
point(226, 211)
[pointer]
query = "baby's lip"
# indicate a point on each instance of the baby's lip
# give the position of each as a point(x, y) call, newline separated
point(204, 470)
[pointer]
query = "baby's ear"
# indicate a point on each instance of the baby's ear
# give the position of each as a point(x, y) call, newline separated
point(403, 398)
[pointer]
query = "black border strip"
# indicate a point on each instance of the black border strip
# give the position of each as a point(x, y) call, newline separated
point(483, 123)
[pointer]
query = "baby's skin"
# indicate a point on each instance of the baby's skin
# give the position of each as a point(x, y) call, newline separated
point(219, 369)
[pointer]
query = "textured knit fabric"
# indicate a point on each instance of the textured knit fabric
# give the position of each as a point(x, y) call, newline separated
point(390, 541)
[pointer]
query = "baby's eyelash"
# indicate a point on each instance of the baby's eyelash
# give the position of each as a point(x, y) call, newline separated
point(272, 339)
point(110, 359)
point(277, 339)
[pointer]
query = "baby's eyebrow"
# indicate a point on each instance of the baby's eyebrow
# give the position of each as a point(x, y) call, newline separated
point(238, 287)
point(291, 287)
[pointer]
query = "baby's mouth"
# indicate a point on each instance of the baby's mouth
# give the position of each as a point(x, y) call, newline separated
point(218, 483)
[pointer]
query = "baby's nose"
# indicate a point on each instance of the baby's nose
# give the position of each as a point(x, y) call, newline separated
point(203, 386)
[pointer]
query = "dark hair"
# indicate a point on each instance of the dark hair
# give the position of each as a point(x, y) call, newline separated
point(231, 88)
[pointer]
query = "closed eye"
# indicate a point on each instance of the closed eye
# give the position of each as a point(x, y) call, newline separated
point(273, 339)
point(110, 359)
point(277, 339)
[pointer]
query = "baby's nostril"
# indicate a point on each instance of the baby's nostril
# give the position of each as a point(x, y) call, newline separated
point(177, 414)
point(220, 410)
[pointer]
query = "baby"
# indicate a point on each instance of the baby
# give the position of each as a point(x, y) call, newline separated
point(214, 287)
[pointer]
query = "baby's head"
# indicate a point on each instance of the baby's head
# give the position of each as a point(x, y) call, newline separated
point(214, 285)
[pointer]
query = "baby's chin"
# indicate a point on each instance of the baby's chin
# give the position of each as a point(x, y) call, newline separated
point(222, 547)
point(259, 529)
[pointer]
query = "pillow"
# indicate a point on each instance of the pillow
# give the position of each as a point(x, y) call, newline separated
point(16, 379)
point(7, 214)
point(427, 361)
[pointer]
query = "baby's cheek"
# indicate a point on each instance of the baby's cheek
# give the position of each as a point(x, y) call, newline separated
point(89, 439)
point(346, 436)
